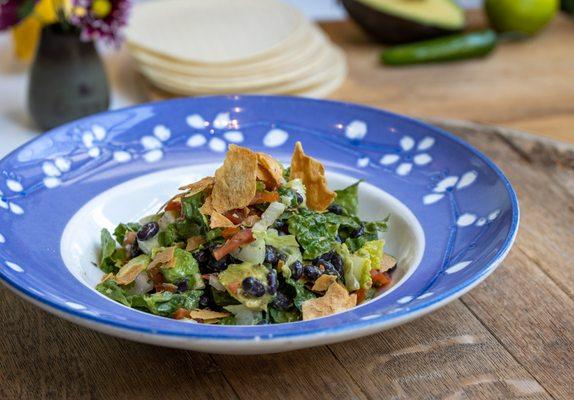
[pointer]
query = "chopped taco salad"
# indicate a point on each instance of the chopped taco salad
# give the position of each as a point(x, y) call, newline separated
point(257, 243)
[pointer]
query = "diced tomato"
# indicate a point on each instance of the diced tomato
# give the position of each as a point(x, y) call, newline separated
point(237, 215)
point(173, 206)
point(233, 286)
point(361, 294)
point(380, 279)
point(229, 232)
point(181, 313)
point(264, 197)
point(239, 239)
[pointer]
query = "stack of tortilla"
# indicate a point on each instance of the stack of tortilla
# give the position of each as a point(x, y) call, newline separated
point(202, 47)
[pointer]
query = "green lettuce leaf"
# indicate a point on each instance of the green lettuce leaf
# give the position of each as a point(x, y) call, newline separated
point(122, 229)
point(111, 289)
point(190, 209)
point(373, 250)
point(348, 198)
point(110, 260)
point(372, 231)
point(166, 303)
point(314, 232)
point(185, 268)
point(301, 294)
point(357, 269)
point(280, 316)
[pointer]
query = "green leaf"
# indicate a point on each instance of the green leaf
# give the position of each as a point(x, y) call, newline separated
point(107, 249)
point(348, 198)
point(314, 232)
point(213, 235)
point(302, 294)
point(223, 299)
point(166, 303)
point(167, 237)
point(185, 268)
point(122, 229)
point(280, 316)
point(190, 209)
point(111, 289)
point(372, 231)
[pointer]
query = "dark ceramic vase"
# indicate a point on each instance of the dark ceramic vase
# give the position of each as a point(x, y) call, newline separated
point(67, 80)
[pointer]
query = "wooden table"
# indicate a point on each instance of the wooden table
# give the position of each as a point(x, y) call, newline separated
point(526, 85)
point(511, 337)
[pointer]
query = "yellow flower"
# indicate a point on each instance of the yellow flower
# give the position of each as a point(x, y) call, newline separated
point(101, 8)
point(25, 35)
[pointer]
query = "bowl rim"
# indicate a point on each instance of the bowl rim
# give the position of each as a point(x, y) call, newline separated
point(339, 332)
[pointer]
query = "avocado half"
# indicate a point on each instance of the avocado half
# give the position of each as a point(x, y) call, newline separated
point(404, 21)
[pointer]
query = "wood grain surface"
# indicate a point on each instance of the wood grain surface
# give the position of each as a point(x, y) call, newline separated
point(526, 85)
point(511, 337)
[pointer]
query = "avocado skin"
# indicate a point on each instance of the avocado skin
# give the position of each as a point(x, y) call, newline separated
point(390, 29)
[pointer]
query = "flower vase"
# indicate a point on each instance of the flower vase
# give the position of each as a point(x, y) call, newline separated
point(67, 79)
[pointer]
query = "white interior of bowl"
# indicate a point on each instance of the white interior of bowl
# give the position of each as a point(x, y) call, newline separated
point(142, 196)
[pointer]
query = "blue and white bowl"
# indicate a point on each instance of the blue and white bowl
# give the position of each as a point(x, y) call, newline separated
point(454, 215)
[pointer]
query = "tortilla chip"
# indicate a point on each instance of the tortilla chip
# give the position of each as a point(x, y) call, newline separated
point(107, 277)
point(269, 170)
point(387, 262)
point(207, 207)
point(128, 273)
point(163, 258)
point(235, 181)
point(220, 221)
point(194, 242)
point(336, 299)
point(323, 283)
point(199, 186)
point(312, 173)
point(207, 315)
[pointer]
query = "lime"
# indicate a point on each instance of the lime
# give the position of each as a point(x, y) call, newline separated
point(521, 16)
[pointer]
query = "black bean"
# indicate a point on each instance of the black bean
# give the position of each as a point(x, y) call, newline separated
point(202, 256)
point(148, 231)
point(270, 255)
point(281, 302)
point(204, 301)
point(299, 198)
point(183, 286)
point(218, 266)
point(134, 249)
point(329, 268)
point(280, 255)
point(296, 270)
point(359, 231)
point(336, 209)
point(272, 282)
point(311, 272)
point(253, 287)
point(337, 262)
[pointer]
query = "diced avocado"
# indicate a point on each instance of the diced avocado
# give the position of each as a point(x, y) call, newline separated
point(405, 21)
point(233, 277)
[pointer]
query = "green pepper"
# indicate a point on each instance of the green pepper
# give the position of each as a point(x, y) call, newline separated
point(449, 48)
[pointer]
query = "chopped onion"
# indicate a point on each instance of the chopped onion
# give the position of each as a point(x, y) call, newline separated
point(167, 218)
point(214, 283)
point(269, 216)
point(253, 252)
point(142, 284)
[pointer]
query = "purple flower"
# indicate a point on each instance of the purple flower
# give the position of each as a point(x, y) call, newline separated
point(100, 19)
point(13, 11)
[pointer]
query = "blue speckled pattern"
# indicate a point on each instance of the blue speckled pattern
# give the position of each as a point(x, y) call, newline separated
point(467, 208)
